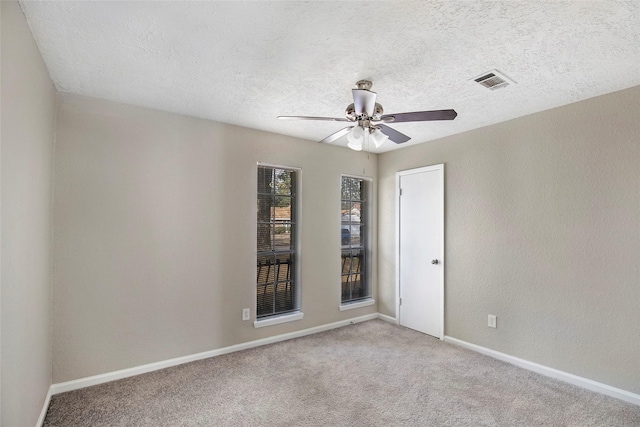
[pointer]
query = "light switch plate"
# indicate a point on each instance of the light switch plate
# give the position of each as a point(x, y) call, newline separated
point(492, 321)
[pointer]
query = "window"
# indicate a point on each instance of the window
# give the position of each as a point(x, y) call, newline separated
point(353, 236)
point(277, 284)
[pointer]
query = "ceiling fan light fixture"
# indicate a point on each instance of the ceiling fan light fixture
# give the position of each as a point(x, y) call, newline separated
point(355, 146)
point(378, 138)
point(356, 135)
point(356, 138)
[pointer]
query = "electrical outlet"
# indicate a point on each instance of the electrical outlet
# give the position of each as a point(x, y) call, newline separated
point(492, 322)
point(246, 313)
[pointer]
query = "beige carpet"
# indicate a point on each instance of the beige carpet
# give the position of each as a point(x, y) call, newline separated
point(370, 374)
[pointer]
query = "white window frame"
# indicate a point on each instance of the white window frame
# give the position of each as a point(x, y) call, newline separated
point(368, 301)
point(297, 314)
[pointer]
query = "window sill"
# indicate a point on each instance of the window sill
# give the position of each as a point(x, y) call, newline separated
point(359, 304)
point(277, 320)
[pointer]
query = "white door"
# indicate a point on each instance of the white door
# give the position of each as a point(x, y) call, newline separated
point(421, 246)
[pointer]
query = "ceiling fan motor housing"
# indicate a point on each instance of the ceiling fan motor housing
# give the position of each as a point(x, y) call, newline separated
point(377, 112)
point(350, 113)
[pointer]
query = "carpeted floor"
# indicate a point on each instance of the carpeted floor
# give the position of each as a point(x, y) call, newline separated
point(369, 374)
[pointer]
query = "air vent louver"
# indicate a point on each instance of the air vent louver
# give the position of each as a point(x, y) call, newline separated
point(493, 80)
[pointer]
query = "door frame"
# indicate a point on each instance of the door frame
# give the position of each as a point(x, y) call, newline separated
point(440, 169)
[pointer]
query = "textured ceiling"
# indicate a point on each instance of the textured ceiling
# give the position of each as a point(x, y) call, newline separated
point(245, 63)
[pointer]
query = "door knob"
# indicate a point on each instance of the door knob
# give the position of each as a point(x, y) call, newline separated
point(434, 261)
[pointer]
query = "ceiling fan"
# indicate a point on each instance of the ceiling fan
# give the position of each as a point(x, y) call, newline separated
point(369, 121)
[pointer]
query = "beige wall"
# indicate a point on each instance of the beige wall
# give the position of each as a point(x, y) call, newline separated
point(154, 233)
point(542, 230)
point(28, 113)
point(155, 236)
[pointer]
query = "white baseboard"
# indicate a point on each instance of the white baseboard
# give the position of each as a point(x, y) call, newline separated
point(388, 318)
point(627, 396)
point(45, 407)
point(130, 372)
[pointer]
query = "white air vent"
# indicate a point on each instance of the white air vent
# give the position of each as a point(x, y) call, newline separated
point(493, 80)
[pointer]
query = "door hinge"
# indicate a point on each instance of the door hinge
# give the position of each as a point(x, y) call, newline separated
point(400, 301)
point(401, 191)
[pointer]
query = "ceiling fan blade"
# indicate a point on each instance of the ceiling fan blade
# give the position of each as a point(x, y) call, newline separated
point(364, 101)
point(326, 119)
point(337, 135)
point(420, 116)
point(394, 135)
